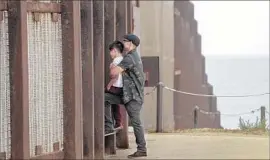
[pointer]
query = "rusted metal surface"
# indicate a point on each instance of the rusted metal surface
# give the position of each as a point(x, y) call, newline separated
point(180, 6)
point(205, 80)
point(121, 30)
point(109, 34)
point(43, 7)
point(109, 37)
point(87, 77)
point(40, 7)
point(211, 100)
point(71, 61)
point(98, 50)
point(130, 25)
point(3, 155)
point(213, 104)
point(1, 16)
point(53, 155)
point(194, 28)
point(190, 10)
point(121, 19)
point(71, 35)
point(3, 5)
point(177, 39)
point(19, 106)
point(183, 104)
point(203, 70)
point(198, 43)
point(38, 150)
point(150, 65)
point(122, 140)
point(110, 144)
point(191, 62)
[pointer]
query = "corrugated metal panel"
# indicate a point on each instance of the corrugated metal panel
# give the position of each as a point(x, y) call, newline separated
point(4, 88)
point(45, 82)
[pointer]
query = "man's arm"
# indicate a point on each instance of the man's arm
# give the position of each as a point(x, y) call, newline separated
point(125, 64)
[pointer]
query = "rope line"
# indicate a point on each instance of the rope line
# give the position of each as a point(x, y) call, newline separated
point(237, 114)
point(152, 91)
point(204, 95)
point(218, 113)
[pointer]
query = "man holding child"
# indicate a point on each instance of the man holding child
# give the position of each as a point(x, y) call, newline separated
point(130, 92)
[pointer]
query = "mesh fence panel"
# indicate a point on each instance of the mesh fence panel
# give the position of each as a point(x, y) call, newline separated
point(4, 88)
point(45, 82)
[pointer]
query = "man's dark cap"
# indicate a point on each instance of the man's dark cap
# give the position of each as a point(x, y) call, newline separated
point(132, 38)
point(118, 45)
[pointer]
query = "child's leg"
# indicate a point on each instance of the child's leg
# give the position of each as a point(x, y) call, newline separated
point(117, 115)
point(116, 108)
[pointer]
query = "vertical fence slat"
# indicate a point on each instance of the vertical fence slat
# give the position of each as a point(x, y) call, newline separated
point(129, 17)
point(19, 107)
point(88, 77)
point(109, 33)
point(121, 30)
point(98, 46)
point(71, 35)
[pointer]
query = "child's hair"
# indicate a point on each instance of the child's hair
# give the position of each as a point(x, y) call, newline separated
point(117, 45)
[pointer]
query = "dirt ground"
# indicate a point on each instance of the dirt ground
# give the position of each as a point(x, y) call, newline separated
point(201, 146)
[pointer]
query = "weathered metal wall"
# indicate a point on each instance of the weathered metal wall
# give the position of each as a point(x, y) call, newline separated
point(45, 82)
point(157, 37)
point(183, 67)
point(5, 147)
point(43, 103)
point(190, 68)
point(45, 85)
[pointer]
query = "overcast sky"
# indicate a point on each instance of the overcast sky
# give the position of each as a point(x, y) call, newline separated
point(233, 27)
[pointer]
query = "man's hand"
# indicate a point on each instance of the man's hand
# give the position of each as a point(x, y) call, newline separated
point(112, 65)
point(116, 71)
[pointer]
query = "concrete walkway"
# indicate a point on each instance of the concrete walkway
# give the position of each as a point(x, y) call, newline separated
point(201, 146)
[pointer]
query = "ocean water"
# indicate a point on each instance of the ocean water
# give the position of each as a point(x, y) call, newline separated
point(241, 75)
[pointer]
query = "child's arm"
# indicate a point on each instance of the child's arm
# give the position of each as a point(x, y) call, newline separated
point(112, 81)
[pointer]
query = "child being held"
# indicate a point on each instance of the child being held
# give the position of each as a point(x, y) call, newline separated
point(115, 85)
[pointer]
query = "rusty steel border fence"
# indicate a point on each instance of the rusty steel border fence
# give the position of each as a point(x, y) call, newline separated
point(87, 29)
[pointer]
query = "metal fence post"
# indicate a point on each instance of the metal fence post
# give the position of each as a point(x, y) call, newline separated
point(263, 115)
point(98, 48)
point(88, 77)
point(195, 117)
point(159, 109)
point(72, 80)
point(121, 30)
point(19, 96)
point(109, 34)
